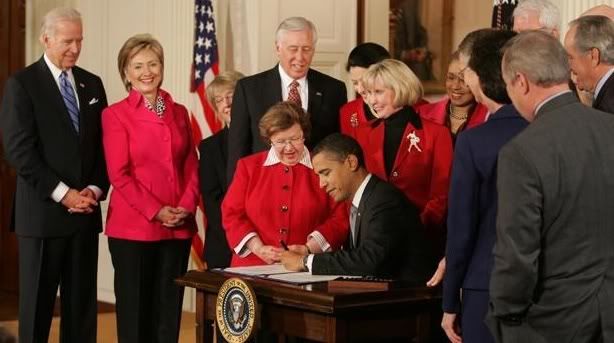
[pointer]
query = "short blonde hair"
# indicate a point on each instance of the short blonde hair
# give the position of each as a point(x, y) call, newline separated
point(133, 46)
point(223, 82)
point(56, 15)
point(395, 75)
point(283, 116)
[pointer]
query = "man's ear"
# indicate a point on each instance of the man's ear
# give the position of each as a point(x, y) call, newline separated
point(595, 57)
point(523, 82)
point(352, 162)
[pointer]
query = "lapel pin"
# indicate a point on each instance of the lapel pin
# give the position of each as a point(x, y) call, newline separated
point(318, 94)
point(354, 120)
point(81, 85)
point(93, 101)
point(413, 141)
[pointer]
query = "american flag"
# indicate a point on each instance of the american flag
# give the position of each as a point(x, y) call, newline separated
point(204, 69)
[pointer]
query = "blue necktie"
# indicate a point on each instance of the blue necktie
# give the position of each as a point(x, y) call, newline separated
point(69, 99)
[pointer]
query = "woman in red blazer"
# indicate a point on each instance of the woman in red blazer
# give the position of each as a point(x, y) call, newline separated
point(152, 166)
point(459, 110)
point(356, 112)
point(275, 200)
point(412, 153)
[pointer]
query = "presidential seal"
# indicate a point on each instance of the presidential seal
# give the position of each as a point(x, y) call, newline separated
point(235, 310)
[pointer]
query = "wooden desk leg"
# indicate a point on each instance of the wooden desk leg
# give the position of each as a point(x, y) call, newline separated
point(204, 329)
point(336, 330)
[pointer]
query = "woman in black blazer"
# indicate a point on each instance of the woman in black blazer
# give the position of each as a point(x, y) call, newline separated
point(213, 159)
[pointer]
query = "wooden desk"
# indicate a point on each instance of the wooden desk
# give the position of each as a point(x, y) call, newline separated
point(312, 312)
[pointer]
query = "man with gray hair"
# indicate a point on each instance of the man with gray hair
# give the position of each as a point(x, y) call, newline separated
point(537, 15)
point(553, 272)
point(590, 46)
point(292, 79)
point(51, 130)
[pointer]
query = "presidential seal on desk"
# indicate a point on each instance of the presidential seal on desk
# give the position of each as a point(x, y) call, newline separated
point(235, 310)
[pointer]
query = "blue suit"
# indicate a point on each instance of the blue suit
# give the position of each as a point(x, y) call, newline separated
point(472, 211)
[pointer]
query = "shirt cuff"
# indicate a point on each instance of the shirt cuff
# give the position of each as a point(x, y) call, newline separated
point(241, 249)
point(319, 238)
point(309, 262)
point(59, 192)
point(97, 191)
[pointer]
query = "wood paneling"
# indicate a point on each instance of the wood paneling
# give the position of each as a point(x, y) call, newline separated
point(12, 54)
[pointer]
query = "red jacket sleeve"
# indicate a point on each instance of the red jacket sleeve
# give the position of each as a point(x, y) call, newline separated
point(434, 212)
point(191, 196)
point(335, 228)
point(234, 216)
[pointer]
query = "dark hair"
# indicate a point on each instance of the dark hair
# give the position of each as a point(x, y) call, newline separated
point(366, 54)
point(466, 45)
point(283, 116)
point(486, 57)
point(341, 146)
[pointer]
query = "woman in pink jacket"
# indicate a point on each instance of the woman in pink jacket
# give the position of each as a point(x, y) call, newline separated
point(152, 166)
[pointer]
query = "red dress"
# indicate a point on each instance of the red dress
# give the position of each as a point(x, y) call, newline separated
point(279, 202)
point(421, 168)
point(437, 112)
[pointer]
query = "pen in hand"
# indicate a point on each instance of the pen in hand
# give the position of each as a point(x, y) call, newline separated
point(284, 245)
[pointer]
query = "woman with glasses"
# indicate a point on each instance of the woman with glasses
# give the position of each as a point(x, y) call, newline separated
point(213, 159)
point(459, 110)
point(274, 201)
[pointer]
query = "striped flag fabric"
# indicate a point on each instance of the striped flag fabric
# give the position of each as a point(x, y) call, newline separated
point(204, 69)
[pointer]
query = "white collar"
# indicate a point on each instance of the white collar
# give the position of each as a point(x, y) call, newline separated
point(286, 80)
point(541, 104)
point(360, 191)
point(55, 71)
point(602, 81)
point(272, 158)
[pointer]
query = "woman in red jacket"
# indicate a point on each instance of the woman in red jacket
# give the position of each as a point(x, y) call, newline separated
point(412, 153)
point(275, 200)
point(459, 110)
point(153, 167)
point(357, 111)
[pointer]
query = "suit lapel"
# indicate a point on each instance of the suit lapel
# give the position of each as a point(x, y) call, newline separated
point(315, 94)
point(272, 92)
point(50, 88)
point(222, 157)
point(609, 83)
point(84, 105)
point(362, 205)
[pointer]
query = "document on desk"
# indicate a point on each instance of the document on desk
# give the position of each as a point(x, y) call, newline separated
point(304, 277)
point(265, 270)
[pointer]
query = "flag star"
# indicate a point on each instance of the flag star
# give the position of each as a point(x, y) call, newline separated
point(209, 26)
point(210, 11)
point(197, 74)
point(198, 59)
point(201, 27)
point(207, 58)
point(207, 43)
point(196, 9)
point(200, 42)
point(203, 10)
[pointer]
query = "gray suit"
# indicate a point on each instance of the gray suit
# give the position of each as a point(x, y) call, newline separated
point(553, 277)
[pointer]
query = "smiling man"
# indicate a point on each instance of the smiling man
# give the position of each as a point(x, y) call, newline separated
point(385, 230)
point(50, 123)
point(292, 79)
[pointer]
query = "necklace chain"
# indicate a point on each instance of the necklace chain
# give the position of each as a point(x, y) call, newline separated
point(456, 115)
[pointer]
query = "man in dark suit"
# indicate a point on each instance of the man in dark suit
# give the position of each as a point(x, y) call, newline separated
point(472, 200)
point(292, 79)
point(386, 235)
point(553, 270)
point(50, 122)
point(589, 44)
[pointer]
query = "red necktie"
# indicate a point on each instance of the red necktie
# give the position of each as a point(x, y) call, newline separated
point(293, 93)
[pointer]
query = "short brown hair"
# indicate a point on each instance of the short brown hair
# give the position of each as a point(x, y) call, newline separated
point(132, 47)
point(283, 116)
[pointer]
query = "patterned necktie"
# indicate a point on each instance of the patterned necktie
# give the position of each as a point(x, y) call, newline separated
point(353, 215)
point(69, 100)
point(293, 93)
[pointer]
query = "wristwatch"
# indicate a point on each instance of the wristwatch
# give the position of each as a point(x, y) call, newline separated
point(305, 258)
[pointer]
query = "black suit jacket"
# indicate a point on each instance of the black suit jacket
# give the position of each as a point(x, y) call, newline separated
point(255, 94)
point(553, 275)
point(44, 148)
point(212, 171)
point(390, 242)
point(605, 98)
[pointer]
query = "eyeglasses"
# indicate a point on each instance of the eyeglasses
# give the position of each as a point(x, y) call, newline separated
point(296, 141)
point(220, 99)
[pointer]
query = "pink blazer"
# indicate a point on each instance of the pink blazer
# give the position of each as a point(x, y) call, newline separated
point(151, 163)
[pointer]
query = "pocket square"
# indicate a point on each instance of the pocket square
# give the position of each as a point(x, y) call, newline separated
point(93, 101)
point(318, 94)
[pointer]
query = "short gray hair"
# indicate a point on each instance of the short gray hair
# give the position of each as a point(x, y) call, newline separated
point(293, 24)
point(549, 15)
point(539, 56)
point(595, 31)
point(54, 16)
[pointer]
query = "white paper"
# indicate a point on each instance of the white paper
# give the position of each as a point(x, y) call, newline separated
point(306, 277)
point(268, 269)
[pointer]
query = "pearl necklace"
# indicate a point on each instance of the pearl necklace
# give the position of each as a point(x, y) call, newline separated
point(456, 115)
